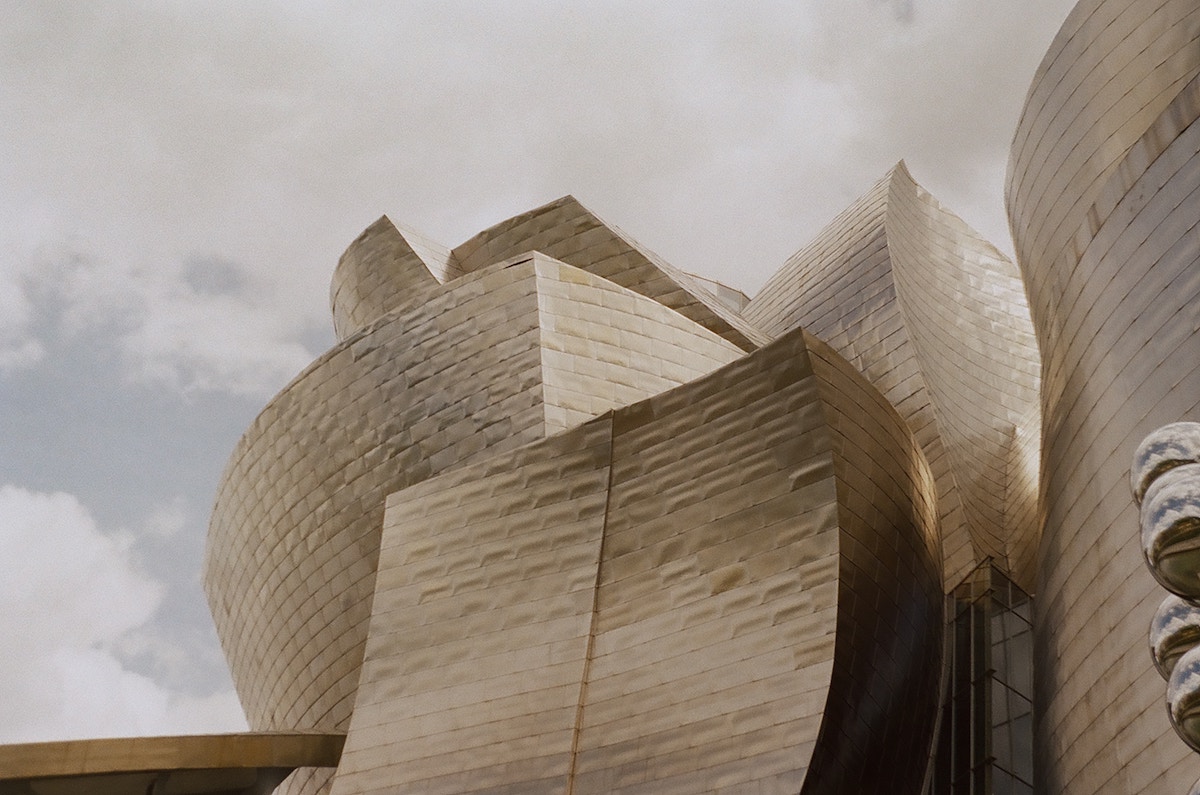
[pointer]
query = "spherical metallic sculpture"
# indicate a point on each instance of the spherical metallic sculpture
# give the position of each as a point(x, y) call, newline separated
point(1164, 449)
point(1170, 522)
point(1183, 698)
point(1174, 630)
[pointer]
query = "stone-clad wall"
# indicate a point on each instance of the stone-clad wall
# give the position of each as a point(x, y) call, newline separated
point(1103, 188)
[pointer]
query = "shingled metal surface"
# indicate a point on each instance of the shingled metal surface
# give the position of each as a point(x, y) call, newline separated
point(654, 601)
point(484, 364)
point(1103, 188)
point(935, 318)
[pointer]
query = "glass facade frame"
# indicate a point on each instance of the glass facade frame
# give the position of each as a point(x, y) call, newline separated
point(985, 741)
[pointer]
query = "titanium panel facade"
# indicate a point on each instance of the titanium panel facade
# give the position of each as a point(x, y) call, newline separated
point(763, 560)
point(482, 365)
point(555, 516)
point(1102, 199)
point(705, 591)
point(568, 231)
point(935, 317)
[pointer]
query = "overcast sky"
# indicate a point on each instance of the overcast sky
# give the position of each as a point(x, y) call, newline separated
point(178, 179)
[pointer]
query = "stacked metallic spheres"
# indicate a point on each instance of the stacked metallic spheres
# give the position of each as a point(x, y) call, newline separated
point(1165, 477)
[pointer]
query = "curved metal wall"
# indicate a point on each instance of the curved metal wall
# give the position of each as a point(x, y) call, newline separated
point(487, 363)
point(568, 231)
point(1104, 186)
point(935, 318)
point(879, 717)
point(383, 269)
point(733, 584)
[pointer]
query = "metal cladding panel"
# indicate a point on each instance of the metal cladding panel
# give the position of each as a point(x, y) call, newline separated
point(1116, 309)
point(568, 231)
point(656, 601)
point(883, 700)
point(481, 625)
point(294, 534)
point(1111, 71)
point(935, 318)
point(484, 364)
point(380, 271)
point(604, 346)
point(717, 594)
point(964, 308)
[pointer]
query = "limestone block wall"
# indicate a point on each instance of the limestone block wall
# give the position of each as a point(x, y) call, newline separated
point(1104, 186)
point(935, 318)
point(657, 601)
point(486, 363)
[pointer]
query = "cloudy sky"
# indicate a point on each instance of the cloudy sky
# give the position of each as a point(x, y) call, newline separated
point(178, 179)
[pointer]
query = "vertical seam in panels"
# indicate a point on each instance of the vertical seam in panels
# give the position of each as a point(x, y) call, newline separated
point(591, 641)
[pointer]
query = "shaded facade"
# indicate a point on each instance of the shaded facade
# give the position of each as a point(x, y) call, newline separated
point(935, 317)
point(985, 741)
point(210, 764)
point(1103, 206)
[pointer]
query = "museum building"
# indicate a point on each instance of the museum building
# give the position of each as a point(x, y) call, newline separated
point(555, 516)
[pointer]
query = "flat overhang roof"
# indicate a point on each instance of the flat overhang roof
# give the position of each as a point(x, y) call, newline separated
point(204, 764)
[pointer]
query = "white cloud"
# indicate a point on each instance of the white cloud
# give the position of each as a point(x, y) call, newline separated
point(70, 592)
point(18, 348)
point(169, 327)
point(167, 520)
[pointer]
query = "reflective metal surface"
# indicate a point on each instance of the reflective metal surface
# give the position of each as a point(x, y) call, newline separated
point(936, 319)
point(492, 360)
point(1183, 698)
point(1174, 630)
point(1165, 448)
point(1102, 201)
point(1170, 521)
point(608, 563)
point(707, 591)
